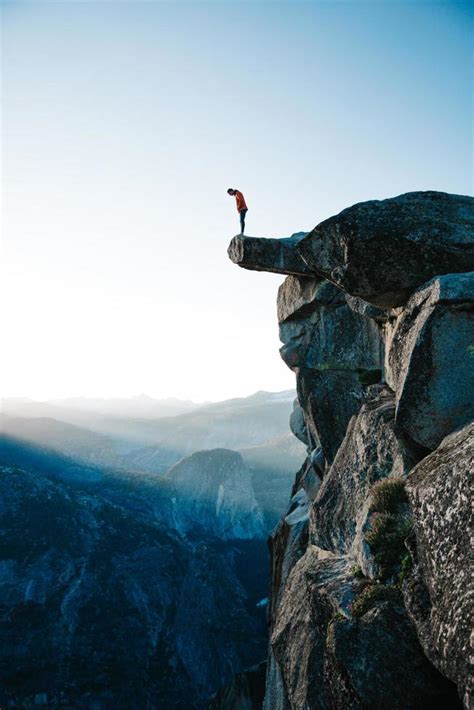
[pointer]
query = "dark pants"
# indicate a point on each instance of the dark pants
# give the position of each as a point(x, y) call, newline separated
point(242, 220)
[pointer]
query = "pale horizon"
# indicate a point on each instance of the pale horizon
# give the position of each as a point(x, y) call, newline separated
point(139, 395)
point(124, 123)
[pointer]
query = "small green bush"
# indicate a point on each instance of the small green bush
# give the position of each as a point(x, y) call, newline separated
point(390, 525)
point(357, 572)
point(386, 540)
point(388, 495)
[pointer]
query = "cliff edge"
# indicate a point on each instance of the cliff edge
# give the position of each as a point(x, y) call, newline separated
point(370, 601)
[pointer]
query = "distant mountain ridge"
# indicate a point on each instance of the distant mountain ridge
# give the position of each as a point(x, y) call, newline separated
point(234, 424)
point(139, 406)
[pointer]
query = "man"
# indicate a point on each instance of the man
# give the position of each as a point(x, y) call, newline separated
point(241, 206)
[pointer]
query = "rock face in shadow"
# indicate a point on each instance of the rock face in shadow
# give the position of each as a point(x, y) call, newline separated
point(439, 489)
point(329, 398)
point(308, 329)
point(334, 351)
point(430, 359)
point(317, 589)
point(370, 592)
point(245, 692)
point(103, 607)
point(298, 424)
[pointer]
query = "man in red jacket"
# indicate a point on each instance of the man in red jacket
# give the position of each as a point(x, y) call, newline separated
point(241, 206)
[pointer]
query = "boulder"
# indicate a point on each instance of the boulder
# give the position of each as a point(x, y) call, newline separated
point(275, 255)
point(333, 653)
point(439, 489)
point(376, 661)
point(430, 359)
point(383, 250)
point(320, 331)
point(335, 352)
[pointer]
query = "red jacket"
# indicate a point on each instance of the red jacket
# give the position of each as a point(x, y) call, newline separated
point(240, 200)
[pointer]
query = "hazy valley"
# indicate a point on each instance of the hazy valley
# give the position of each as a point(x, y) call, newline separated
point(134, 566)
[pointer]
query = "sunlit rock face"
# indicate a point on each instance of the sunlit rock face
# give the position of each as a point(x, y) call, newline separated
point(380, 251)
point(369, 585)
point(213, 492)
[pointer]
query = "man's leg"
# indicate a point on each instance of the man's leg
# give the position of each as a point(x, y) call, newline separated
point(242, 220)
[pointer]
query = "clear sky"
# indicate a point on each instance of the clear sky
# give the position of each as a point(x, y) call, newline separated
point(125, 122)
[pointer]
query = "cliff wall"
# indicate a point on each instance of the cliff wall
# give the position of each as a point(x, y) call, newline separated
point(370, 601)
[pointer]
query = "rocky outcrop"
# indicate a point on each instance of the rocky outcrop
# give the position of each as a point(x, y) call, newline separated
point(370, 595)
point(213, 492)
point(380, 251)
point(298, 424)
point(275, 255)
point(319, 643)
point(330, 398)
point(287, 544)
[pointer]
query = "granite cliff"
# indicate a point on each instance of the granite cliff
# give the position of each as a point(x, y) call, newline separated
point(370, 601)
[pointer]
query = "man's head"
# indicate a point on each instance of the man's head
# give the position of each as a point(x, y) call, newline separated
point(231, 191)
